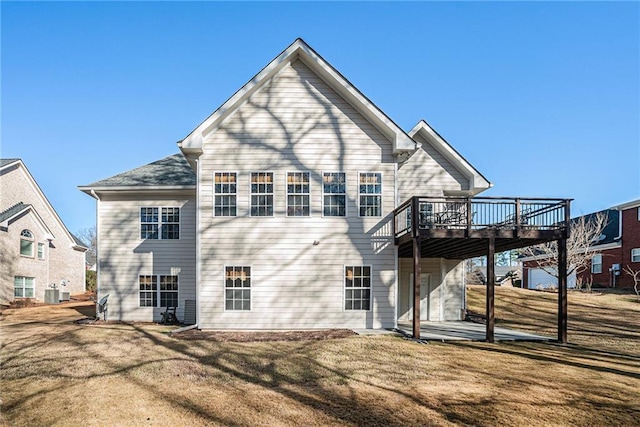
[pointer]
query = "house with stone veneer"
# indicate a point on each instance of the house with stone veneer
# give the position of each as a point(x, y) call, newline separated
point(37, 250)
point(281, 211)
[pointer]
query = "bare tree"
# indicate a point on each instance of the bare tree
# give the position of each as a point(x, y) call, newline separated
point(584, 232)
point(636, 279)
point(90, 237)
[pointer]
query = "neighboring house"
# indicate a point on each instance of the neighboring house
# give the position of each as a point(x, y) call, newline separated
point(36, 249)
point(278, 212)
point(617, 247)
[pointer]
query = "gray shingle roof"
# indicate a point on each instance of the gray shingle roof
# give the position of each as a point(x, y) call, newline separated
point(4, 162)
point(611, 230)
point(170, 171)
point(78, 241)
point(8, 213)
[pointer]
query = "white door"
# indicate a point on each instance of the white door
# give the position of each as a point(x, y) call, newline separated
point(429, 298)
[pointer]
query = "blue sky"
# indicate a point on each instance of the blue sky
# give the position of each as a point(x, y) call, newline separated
point(543, 98)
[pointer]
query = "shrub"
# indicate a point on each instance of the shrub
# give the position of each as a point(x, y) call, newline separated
point(91, 281)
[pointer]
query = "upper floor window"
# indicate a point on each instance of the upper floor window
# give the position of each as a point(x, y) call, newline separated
point(225, 187)
point(298, 194)
point(261, 193)
point(370, 192)
point(23, 287)
point(596, 264)
point(334, 190)
point(40, 250)
point(160, 223)
point(638, 213)
point(635, 255)
point(26, 243)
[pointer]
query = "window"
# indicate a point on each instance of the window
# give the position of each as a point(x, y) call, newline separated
point(596, 264)
point(40, 250)
point(297, 193)
point(148, 291)
point(635, 255)
point(370, 191)
point(160, 223)
point(237, 288)
point(26, 243)
point(261, 194)
point(151, 294)
point(357, 283)
point(225, 194)
point(23, 287)
point(334, 191)
point(638, 213)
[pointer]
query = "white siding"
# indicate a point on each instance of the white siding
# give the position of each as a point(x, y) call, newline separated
point(123, 256)
point(428, 173)
point(296, 123)
point(446, 297)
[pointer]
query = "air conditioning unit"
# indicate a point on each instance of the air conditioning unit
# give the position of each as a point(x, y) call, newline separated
point(65, 296)
point(51, 296)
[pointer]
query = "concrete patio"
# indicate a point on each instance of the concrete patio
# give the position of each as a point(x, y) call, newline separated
point(467, 331)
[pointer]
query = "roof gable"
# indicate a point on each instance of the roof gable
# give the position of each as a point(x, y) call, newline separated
point(19, 210)
point(477, 182)
point(299, 50)
point(18, 164)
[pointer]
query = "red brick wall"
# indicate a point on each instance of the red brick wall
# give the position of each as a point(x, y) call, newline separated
point(630, 240)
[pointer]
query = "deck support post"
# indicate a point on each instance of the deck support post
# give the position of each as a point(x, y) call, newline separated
point(490, 289)
point(562, 290)
point(417, 267)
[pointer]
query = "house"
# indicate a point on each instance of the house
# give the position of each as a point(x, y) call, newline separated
point(285, 208)
point(616, 248)
point(36, 249)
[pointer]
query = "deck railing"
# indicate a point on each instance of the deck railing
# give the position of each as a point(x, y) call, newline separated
point(481, 213)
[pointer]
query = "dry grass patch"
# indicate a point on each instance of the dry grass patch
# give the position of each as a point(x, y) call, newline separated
point(55, 372)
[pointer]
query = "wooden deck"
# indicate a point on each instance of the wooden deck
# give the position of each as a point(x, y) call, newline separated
point(460, 228)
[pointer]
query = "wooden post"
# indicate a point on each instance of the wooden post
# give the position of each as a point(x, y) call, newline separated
point(490, 291)
point(562, 290)
point(417, 266)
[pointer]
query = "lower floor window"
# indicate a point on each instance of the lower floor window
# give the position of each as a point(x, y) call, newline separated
point(151, 294)
point(357, 283)
point(635, 255)
point(237, 288)
point(23, 287)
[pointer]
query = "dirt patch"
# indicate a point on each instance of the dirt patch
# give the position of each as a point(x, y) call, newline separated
point(235, 336)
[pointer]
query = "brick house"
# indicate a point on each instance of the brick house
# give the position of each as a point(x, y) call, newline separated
point(618, 247)
point(36, 248)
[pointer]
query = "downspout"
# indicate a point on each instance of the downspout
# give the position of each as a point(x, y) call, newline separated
point(395, 249)
point(95, 196)
point(198, 250)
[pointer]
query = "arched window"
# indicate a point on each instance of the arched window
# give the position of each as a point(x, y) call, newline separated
point(26, 243)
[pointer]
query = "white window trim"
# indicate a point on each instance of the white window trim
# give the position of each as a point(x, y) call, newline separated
point(157, 291)
point(638, 213)
point(23, 282)
point(44, 255)
point(160, 224)
point(381, 194)
point(344, 288)
point(224, 288)
point(593, 264)
point(346, 198)
point(637, 254)
point(213, 187)
point(273, 194)
point(32, 240)
point(286, 195)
